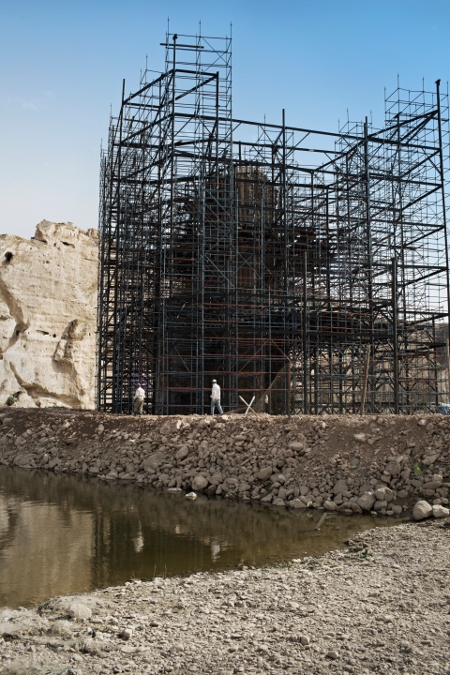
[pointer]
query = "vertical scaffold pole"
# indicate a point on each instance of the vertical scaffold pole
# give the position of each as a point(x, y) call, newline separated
point(444, 208)
point(305, 333)
point(395, 334)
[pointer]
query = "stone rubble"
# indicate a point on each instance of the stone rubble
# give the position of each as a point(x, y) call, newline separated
point(379, 606)
point(324, 463)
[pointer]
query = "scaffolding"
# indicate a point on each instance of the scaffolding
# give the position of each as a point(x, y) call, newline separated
point(307, 269)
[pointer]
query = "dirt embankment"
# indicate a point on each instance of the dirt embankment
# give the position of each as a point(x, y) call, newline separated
point(352, 464)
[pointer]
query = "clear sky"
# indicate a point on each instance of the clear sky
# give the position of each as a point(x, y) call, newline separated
point(62, 64)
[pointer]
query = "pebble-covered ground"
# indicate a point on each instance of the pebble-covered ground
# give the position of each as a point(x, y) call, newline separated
point(380, 606)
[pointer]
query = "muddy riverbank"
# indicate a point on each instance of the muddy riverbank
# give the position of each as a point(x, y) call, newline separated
point(380, 464)
point(379, 606)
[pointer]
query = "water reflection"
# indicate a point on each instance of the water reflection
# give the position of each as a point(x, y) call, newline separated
point(62, 535)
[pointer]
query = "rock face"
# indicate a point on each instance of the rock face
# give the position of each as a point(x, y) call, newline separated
point(48, 297)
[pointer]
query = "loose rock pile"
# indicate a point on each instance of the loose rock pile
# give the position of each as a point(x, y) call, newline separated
point(381, 606)
point(381, 464)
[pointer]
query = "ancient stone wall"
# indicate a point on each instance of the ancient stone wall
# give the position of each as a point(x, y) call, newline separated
point(352, 464)
point(48, 297)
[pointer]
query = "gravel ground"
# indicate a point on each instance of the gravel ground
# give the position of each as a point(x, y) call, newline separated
point(382, 605)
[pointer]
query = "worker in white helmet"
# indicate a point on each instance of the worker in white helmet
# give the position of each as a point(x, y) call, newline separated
point(138, 401)
point(215, 398)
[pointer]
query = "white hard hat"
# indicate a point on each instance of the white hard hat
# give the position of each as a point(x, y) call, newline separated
point(214, 380)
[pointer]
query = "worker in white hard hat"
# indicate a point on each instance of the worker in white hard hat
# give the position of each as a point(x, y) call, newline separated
point(215, 398)
point(138, 401)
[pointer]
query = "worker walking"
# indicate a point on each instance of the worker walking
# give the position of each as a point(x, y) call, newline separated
point(215, 398)
point(138, 401)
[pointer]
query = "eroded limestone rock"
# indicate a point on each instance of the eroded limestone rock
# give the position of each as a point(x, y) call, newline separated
point(48, 297)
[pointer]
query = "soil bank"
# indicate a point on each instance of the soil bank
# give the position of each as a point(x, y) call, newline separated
point(352, 464)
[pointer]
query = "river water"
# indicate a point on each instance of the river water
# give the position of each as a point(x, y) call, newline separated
point(62, 535)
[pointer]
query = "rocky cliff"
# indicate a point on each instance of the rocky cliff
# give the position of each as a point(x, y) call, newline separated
point(48, 297)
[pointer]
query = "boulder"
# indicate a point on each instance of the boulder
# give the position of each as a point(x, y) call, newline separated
point(329, 505)
point(297, 446)
point(432, 485)
point(430, 459)
point(355, 507)
point(340, 486)
point(296, 504)
point(278, 478)
point(265, 473)
point(153, 461)
point(127, 633)
point(440, 511)
point(282, 493)
point(199, 483)
point(77, 610)
point(366, 501)
point(278, 502)
point(393, 468)
point(384, 494)
point(171, 426)
point(182, 453)
point(422, 510)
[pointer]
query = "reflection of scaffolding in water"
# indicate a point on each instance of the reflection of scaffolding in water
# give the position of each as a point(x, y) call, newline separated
point(227, 252)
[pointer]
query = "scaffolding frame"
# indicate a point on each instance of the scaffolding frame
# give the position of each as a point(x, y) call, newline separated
point(306, 268)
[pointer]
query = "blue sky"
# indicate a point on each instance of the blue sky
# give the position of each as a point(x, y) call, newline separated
point(62, 65)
